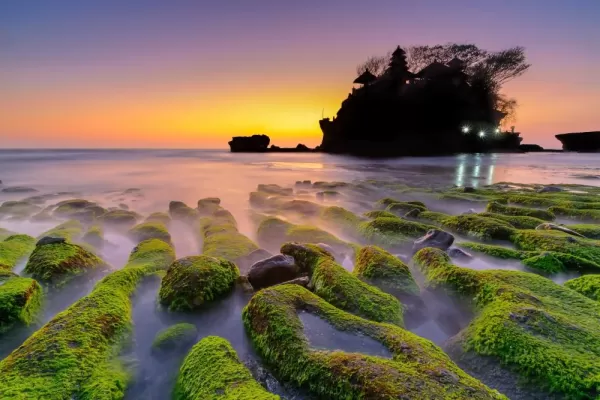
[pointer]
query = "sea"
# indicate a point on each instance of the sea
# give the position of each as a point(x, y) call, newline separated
point(188, 175)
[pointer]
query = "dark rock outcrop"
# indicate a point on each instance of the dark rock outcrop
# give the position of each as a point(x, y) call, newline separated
point(581, 141)
point(50, 240)
point(274, 270)
point(249, 144)
point(434, 238)
point(531, 148)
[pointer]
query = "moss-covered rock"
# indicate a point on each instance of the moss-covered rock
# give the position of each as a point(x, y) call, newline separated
point(543, 333)
point(341, 219)
point(558, 242)
point(391, 233)
point(479, 227)
point(517, 221)
point(328, 195)
point(581, 215)
point(221, 238)
point(343, 289)
point(417, 369)
point(57, 263)
point(591, 231)
point(587, 285)
point(497, 208)
point(18, 209)
point(120, 218)
point(70, 230)
point(191, 282)
point(20, 300)
point(75, 355)
point(4, 233)
point(176, 337)
point(275, 189)
point(212, 370)
point(428, 217)
point(180, 211)
point(379, 214)
point(79, 209)
point(208, 205)
point(149, 230)
point(160, 217)
point(401, 209)
point(381, 269)
point(13, 249)
point(94, 236)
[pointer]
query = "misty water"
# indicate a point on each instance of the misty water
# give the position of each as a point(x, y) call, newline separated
point(104, 176)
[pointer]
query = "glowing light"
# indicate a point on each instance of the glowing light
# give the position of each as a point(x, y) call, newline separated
point(482, 134)
point(497, 130)
point(466, 129)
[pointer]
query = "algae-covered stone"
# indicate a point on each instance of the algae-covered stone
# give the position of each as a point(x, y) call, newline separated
point(428, 217)
point(402, 208)
point(149, 230)
point(341, 219)
point(70, 230)
point(543, 333)
point(381, 269)
point(94, 236)
point(478, 227)
point(582, 215)
point(545, 262)
point(591, 231)
point(379, 214)
point(177, 337)
point(120, 218)
point(161, 217)
point(275, 189)
point(191, 282)
point(208, 205)
point(418, 369)
point(343, 289)
point(20, 300)
point(15, 248)
point(212, 370)
point(18, 209)
point(79, 209)
point(518, 221)
point(587, 285)
point(497, 208)
point(181, 211)
point(558, 242)
point(57, 263)
point(391, 232)
point(76, 354)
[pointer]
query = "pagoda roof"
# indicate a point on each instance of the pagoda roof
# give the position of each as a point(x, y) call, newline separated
point(398, 52)
point(365, 78)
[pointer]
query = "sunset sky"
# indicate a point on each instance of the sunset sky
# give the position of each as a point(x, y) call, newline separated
point(192, 73)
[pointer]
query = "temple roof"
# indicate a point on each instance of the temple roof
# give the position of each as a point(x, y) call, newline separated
point(365, 78)
point(434, 70)
point(398, 52)
point(456, 63)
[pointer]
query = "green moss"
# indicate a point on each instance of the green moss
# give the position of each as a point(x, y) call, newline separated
point(75, 355)
point(402, 208)
point(58, 263)
point(590, 231)
point(517, 221)
point(94, 236)
point(379, 214)
point(341, 219)
point(71, 208)
point(470, 198)
point(391, 233)
point(212, 370)
point(123, 218)
point(149, 230)
point(418, 369)
point(20, 300)
point(381, 269)
point(15, 248)
point(587, 285)
point(208, 205)
point(275, 189)
point(582, 215)
point(545, 262)
point(175, 338)
point(478, 227)
point(70, 230)
point(191, 282)
point(494, 251)
point(558, 242)
point(546, 334)
point(161, 217)
point(431, 217)
point(18, 209)
point(559, 199)
point(342, 289)
point(180, 211)
point(497, 208)
point(4, 233)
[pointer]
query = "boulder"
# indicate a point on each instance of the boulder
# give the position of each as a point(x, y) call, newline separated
point(469, 189)
point(434, 238)
point(460, 254)
point(249, 144)
point(273, 270)
point(245, 262)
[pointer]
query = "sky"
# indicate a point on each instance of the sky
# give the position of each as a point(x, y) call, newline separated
point(193, 73)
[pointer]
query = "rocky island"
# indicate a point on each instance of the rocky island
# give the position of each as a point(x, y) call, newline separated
point(580, 141)
point(260, 144)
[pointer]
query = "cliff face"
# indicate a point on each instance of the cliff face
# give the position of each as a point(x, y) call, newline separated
point(249, 144)
point(582, 141)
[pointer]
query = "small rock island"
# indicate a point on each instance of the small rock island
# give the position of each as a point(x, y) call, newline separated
point(260, 144)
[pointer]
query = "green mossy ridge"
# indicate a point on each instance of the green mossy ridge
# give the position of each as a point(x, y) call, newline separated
point(391, 232)
point(555, 200)
point(94, 236)
point(58, 263)
point(75, 355)
point(587, 285)
point(542, 261)
point(547, 334)
point(18, 209)
point(191, 282)
point(402, 208)
point(517, 221)
point(69, 208)
point(418, 368)
point(590, 231)
point(15, 248)
point(275, 189)
point(343, 289)
point(497, 208)
point(273, 232)
point(432, 217)
point(149, 230)
point(478, 227)
point(386, 202)
point(175, 337)
point(578, 214)
point(381, 269)
point(466, 197)
point(180, 211)
point(221, 238)
point(20, 300)
point(161, 217)
point(120, 217)
point(341, 219)
point(4, 233)
point(70, 230)
point(531, 240)
point(379, 214)
point(212, 370)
